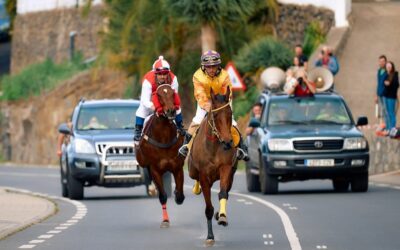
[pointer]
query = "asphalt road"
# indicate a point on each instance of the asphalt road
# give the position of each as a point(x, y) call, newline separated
point(304, 215)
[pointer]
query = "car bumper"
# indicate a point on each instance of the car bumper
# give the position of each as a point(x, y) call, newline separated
point(88, 168)
point(290, 166)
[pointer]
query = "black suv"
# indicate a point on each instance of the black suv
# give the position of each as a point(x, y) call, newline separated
point(300, 138)
point(100, 150)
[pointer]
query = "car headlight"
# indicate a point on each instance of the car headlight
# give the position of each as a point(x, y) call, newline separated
point(280, 145)
point(355, 143)
point(84, 147)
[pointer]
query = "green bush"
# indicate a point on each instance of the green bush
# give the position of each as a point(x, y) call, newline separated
point(263, 53)
point(243, 103)
point(39, 77)
point(313, 37)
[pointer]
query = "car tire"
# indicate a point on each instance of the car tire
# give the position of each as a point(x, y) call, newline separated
point(268, 184)
point(252, 180)
point(341, 185)
point(167, 181)
point(75, 188)
point(64, 181)
point(359, 183)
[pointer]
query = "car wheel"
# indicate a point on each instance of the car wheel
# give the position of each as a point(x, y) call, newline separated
point(268, 184)
point(63, 179)
point(75, 188)
point(359, 183)
point(167, 181)
point(252, 180)
point(341, 185)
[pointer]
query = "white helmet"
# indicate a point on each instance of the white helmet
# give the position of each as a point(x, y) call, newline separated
point(161, 65)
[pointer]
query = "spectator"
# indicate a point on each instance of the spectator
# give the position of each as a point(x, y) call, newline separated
point(257, 109)
point(95, 124)
point(302, 86)
point(390, 94)
point(379, 99)
point(303, 60)
point(328, 60)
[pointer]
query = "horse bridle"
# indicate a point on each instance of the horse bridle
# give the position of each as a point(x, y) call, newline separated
point(214, 129)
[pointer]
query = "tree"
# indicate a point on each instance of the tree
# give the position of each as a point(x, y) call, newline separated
point(211, 15)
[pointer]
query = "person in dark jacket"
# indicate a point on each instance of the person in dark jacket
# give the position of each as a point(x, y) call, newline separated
point(390, 94)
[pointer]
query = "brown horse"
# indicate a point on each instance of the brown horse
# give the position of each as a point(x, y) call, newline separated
point(213, 157)
point(158, 149)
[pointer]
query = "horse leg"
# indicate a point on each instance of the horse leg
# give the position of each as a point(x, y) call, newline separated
point(179, 196)
point(162, 196)
point(194, 174)
point(225, 185)
point(209, 212)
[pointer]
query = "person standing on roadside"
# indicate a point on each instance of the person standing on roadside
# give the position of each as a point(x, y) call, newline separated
point(390, 93)
point(303, 60)
point(380, 87)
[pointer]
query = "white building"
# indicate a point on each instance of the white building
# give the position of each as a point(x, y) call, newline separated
point(28, 6)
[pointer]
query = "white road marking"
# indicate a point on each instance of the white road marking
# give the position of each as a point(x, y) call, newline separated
point(53, 232)
point(265, 236)
point(67, 224)
point(35, 241)
point(322, 247)
point(45, 236)
point(248, 203)
point(72, 221)
point(287, 224)
point(240, 200)
point(286, 204)
point(27, 246)
point(268, 243)
point(382, 185)
point(293, 208)
point(61, 228)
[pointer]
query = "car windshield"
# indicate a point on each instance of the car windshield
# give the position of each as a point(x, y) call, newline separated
point(100, 118)
point(307, 111)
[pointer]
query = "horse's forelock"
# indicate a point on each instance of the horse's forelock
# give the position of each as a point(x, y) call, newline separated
point(220, 98)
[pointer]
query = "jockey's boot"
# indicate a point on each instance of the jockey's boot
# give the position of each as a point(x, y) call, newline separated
point(180, 128)
point(138, 133)
point(242, 151)
point(185, 148)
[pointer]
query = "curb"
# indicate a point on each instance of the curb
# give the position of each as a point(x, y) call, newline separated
point(50, 210)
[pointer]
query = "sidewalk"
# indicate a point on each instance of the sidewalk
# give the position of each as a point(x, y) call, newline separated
point(19, 210)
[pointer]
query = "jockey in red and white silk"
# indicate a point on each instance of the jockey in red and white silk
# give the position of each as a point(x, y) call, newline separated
point(160, 74)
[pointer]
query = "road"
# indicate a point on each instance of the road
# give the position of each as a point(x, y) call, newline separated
point(127, 219)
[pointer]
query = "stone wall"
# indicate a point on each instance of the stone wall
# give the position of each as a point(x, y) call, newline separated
point(384, 153)
point(29, 130)
point(45, 34)
point(294, 19)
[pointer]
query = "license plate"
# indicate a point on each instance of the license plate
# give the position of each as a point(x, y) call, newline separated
point(121, 166)
point(320, 163)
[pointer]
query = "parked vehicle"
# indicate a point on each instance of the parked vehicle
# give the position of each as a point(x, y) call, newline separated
point(302, 138)
point(100, 150)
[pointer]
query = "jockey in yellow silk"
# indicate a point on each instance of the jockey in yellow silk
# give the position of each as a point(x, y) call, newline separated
point(211, 75)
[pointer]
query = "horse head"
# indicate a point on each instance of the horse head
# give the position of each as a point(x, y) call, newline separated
point(165, 95)
point(221, 118)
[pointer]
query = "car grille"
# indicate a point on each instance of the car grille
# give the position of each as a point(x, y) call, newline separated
point(316, 145)
point(115, 150)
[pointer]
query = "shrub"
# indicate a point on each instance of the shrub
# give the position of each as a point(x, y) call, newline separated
point(39, 77)
point(313, 37)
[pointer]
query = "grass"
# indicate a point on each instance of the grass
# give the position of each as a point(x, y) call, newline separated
point(36, 78)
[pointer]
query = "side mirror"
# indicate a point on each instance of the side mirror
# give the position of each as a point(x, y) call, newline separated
point(363, 120)
point(64, 129)
point(254, 123)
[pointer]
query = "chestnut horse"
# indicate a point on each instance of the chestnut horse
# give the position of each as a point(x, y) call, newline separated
point(213, 157)
point(158, 149)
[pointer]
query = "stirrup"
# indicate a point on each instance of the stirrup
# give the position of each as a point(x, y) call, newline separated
point(242, 155)
point(183, 150)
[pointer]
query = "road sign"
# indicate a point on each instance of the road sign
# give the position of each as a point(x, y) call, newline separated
point(237, 82)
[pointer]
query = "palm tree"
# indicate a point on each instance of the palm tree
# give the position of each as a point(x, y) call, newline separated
point(211, 15)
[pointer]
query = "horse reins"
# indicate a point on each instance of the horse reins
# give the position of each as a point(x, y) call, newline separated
point(213, 126)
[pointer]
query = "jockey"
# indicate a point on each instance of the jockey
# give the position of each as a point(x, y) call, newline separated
point(210, 75)
point(160, 74)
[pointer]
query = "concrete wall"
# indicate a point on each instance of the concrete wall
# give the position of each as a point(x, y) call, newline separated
point(341, 8)
point(29, 6)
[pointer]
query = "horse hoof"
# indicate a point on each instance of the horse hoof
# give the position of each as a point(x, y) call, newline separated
point(210, 242)
point(222, 220)
point(216, 216)
point(152, 191)
point(164, 224)
point(196, 191)
point(179, 199)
